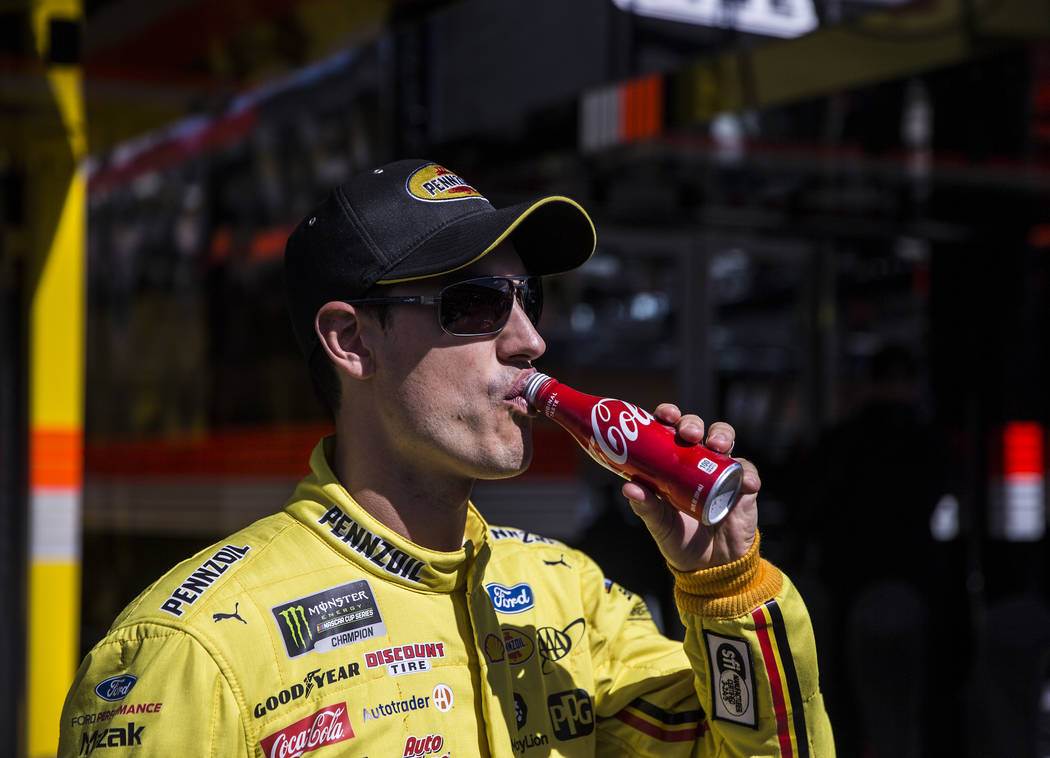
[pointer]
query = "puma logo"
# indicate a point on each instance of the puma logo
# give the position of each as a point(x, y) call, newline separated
point(217, 617)
point(559, 562)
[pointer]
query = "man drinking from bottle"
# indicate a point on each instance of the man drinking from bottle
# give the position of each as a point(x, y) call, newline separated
point(381, 614)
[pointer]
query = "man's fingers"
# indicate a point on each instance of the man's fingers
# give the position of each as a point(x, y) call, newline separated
point(752, 482)
point(689, 428)
point(634, 492)
point(669, 413)
point(721, 437)
point(644, 502)
point(650, 509)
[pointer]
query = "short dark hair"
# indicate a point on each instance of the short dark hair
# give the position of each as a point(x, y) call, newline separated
point(323, 375)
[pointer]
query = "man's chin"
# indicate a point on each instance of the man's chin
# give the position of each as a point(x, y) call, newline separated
point(515, 461)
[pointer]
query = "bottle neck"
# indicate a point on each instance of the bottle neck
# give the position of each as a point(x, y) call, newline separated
point(532, 387)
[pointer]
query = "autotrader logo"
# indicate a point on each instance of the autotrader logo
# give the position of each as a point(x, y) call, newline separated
point(572, 714)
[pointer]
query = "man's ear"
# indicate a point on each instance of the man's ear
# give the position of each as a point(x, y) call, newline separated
point(346, 338)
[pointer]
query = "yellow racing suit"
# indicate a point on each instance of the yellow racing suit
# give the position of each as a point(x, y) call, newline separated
point(319, 630)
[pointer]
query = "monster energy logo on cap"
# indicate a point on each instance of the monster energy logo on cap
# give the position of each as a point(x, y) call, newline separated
point(328, 619)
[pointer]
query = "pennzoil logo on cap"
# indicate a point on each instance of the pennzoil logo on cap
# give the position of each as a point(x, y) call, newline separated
point(434, 182)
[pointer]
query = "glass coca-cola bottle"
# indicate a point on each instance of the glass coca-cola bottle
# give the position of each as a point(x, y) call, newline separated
point(631, 442)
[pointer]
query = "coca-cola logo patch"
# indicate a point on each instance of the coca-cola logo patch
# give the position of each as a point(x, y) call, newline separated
point(325, 727)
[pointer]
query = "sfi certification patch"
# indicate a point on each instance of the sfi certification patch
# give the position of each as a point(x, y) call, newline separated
point(732, 679)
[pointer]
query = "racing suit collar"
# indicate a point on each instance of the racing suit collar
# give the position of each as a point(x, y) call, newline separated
point(322, 505)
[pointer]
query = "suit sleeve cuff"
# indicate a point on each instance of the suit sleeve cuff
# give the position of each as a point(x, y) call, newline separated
point(729, 590)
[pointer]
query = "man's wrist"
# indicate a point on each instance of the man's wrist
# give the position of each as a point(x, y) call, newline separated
point(729, 590)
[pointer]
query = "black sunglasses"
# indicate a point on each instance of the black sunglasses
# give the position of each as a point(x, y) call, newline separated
point(476, 307)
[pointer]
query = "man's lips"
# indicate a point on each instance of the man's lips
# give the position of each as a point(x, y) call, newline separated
point(514, 392)
point(518, 386)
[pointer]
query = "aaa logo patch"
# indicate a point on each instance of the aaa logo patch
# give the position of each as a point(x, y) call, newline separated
point(436, 183)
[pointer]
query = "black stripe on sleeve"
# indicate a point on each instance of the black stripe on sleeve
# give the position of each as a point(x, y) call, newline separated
point(788, 661)
point(666, 717)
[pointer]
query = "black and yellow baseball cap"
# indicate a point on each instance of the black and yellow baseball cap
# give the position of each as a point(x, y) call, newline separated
point(413, 219)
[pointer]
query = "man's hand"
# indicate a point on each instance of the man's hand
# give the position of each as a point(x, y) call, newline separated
point(685, 542)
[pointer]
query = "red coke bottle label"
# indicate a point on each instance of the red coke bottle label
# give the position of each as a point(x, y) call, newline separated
point(630, 442)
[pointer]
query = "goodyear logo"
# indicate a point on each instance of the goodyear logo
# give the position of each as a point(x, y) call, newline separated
point(315, 678)
point(434, 182)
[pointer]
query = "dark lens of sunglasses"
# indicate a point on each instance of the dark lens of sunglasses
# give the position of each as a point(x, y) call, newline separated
point(532, 299)
point(482, 306)
point(476, 307)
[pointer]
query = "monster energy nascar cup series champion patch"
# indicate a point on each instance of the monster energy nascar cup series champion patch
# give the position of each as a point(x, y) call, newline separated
point(328, 619)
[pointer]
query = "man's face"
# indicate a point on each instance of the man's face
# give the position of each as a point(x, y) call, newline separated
point(452, 405)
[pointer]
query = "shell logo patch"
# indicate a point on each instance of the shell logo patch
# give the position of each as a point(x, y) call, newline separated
point(436, 183)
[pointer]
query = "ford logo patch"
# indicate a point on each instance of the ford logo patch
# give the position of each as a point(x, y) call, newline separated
point(116, 687)
point(511, 599)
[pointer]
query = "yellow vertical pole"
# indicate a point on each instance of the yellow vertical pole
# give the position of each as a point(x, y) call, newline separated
point(56, 189)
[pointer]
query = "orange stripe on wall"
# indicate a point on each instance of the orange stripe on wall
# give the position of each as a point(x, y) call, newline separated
point(641, 108)
point(268, 244)
point(657, 109)
point(56, 458)
point(263, 452)
point(279, 452)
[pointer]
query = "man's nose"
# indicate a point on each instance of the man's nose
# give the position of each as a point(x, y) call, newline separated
point(520, 336)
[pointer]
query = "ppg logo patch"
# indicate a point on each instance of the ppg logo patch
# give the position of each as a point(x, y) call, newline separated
point(516, 599)
point(732, 679)
point(329, 619)
point(572, 714)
